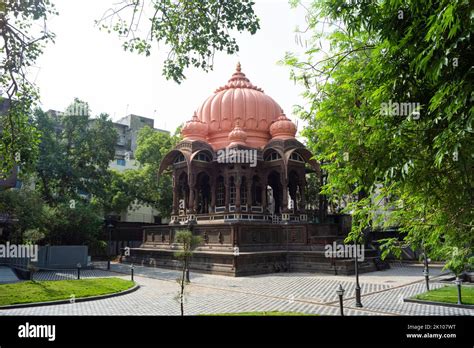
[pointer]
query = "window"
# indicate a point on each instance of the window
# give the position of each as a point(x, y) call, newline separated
point(220, 192)
point(121, 162)
point(295, 156)
point(232, 192)
point(179, 159)
point(203, 157)
point(18, 184)
point(243, 191)
point(274, 156)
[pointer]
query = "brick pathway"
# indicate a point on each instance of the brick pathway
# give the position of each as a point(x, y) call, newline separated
point(295, 292)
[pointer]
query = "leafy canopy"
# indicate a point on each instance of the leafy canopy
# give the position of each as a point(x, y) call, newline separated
point(388, 86)
point(20, 45)
point(193, 30)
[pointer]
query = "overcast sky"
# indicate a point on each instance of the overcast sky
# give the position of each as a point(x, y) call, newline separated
point(92, 65)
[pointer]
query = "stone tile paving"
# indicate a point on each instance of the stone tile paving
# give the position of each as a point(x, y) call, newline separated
point(296, 292)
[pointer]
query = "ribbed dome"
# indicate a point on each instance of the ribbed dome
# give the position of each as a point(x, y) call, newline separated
point(195, 129)
point(283, 128)
point(239, 100)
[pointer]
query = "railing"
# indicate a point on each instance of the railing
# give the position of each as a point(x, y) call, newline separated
point(233, 215)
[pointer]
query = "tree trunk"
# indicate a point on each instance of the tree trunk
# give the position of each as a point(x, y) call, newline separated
point(182, 287)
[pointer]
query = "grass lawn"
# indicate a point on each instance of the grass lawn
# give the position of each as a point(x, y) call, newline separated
point(449, 294)
point(43, 291)
point(262, 314)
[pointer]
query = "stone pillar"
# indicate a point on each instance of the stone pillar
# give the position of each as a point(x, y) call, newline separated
point(196, 199)
point(284, 198)
point(249, 195)
point(213, 196)
point(227, 194)
point(191, 200)
point(302, 206)
point(264, 195)
point(238, 182)
point(175, 209)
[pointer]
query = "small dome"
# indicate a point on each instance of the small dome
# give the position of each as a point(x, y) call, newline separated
point(283, 128)
point(238, 136)
point(195, 129)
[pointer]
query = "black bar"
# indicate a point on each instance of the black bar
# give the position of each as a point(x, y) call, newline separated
point(291, 331)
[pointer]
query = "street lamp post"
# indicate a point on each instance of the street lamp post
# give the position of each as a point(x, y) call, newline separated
point(426, 272)
point(132, 268)
point(79, 271)
point(357, 288)
point(109, 230)
point(340, 292)
point(458, 283)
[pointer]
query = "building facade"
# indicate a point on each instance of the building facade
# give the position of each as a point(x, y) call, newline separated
point(239, 178)
point(128, 129)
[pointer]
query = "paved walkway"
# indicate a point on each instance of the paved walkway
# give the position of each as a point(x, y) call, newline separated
point(7, 275)
point(297, 292)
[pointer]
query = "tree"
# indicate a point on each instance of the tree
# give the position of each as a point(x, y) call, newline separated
point(75, 224)
point(193, 29)
point(28, 208)
point(75, 153)
point(188, 243)
point(390, 112)
point(20, 45)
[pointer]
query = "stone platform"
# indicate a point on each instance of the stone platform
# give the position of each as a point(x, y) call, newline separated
point(243, 248)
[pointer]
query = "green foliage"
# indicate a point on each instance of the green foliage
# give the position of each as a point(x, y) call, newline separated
point(193, 30)
point(20, 46)
point(75, 154)
point(449, 294)
point(460, 260)
point(188, 242)
point(28, 208)
point(421, 160)
point(80, 224)
point(71, 179)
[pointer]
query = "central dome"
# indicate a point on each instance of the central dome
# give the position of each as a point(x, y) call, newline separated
point(238, 104)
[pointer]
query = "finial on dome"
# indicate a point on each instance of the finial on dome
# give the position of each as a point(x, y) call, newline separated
point(239, 68)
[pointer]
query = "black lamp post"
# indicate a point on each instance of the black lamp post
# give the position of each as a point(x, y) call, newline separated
point(132, 268)
point(357, 288)
point(458, 283)
point(340, 292)
point(109, 232)
point(79, 271)
point(426, 271)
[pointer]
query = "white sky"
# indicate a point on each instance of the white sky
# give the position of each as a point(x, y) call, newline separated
point(92, 65)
